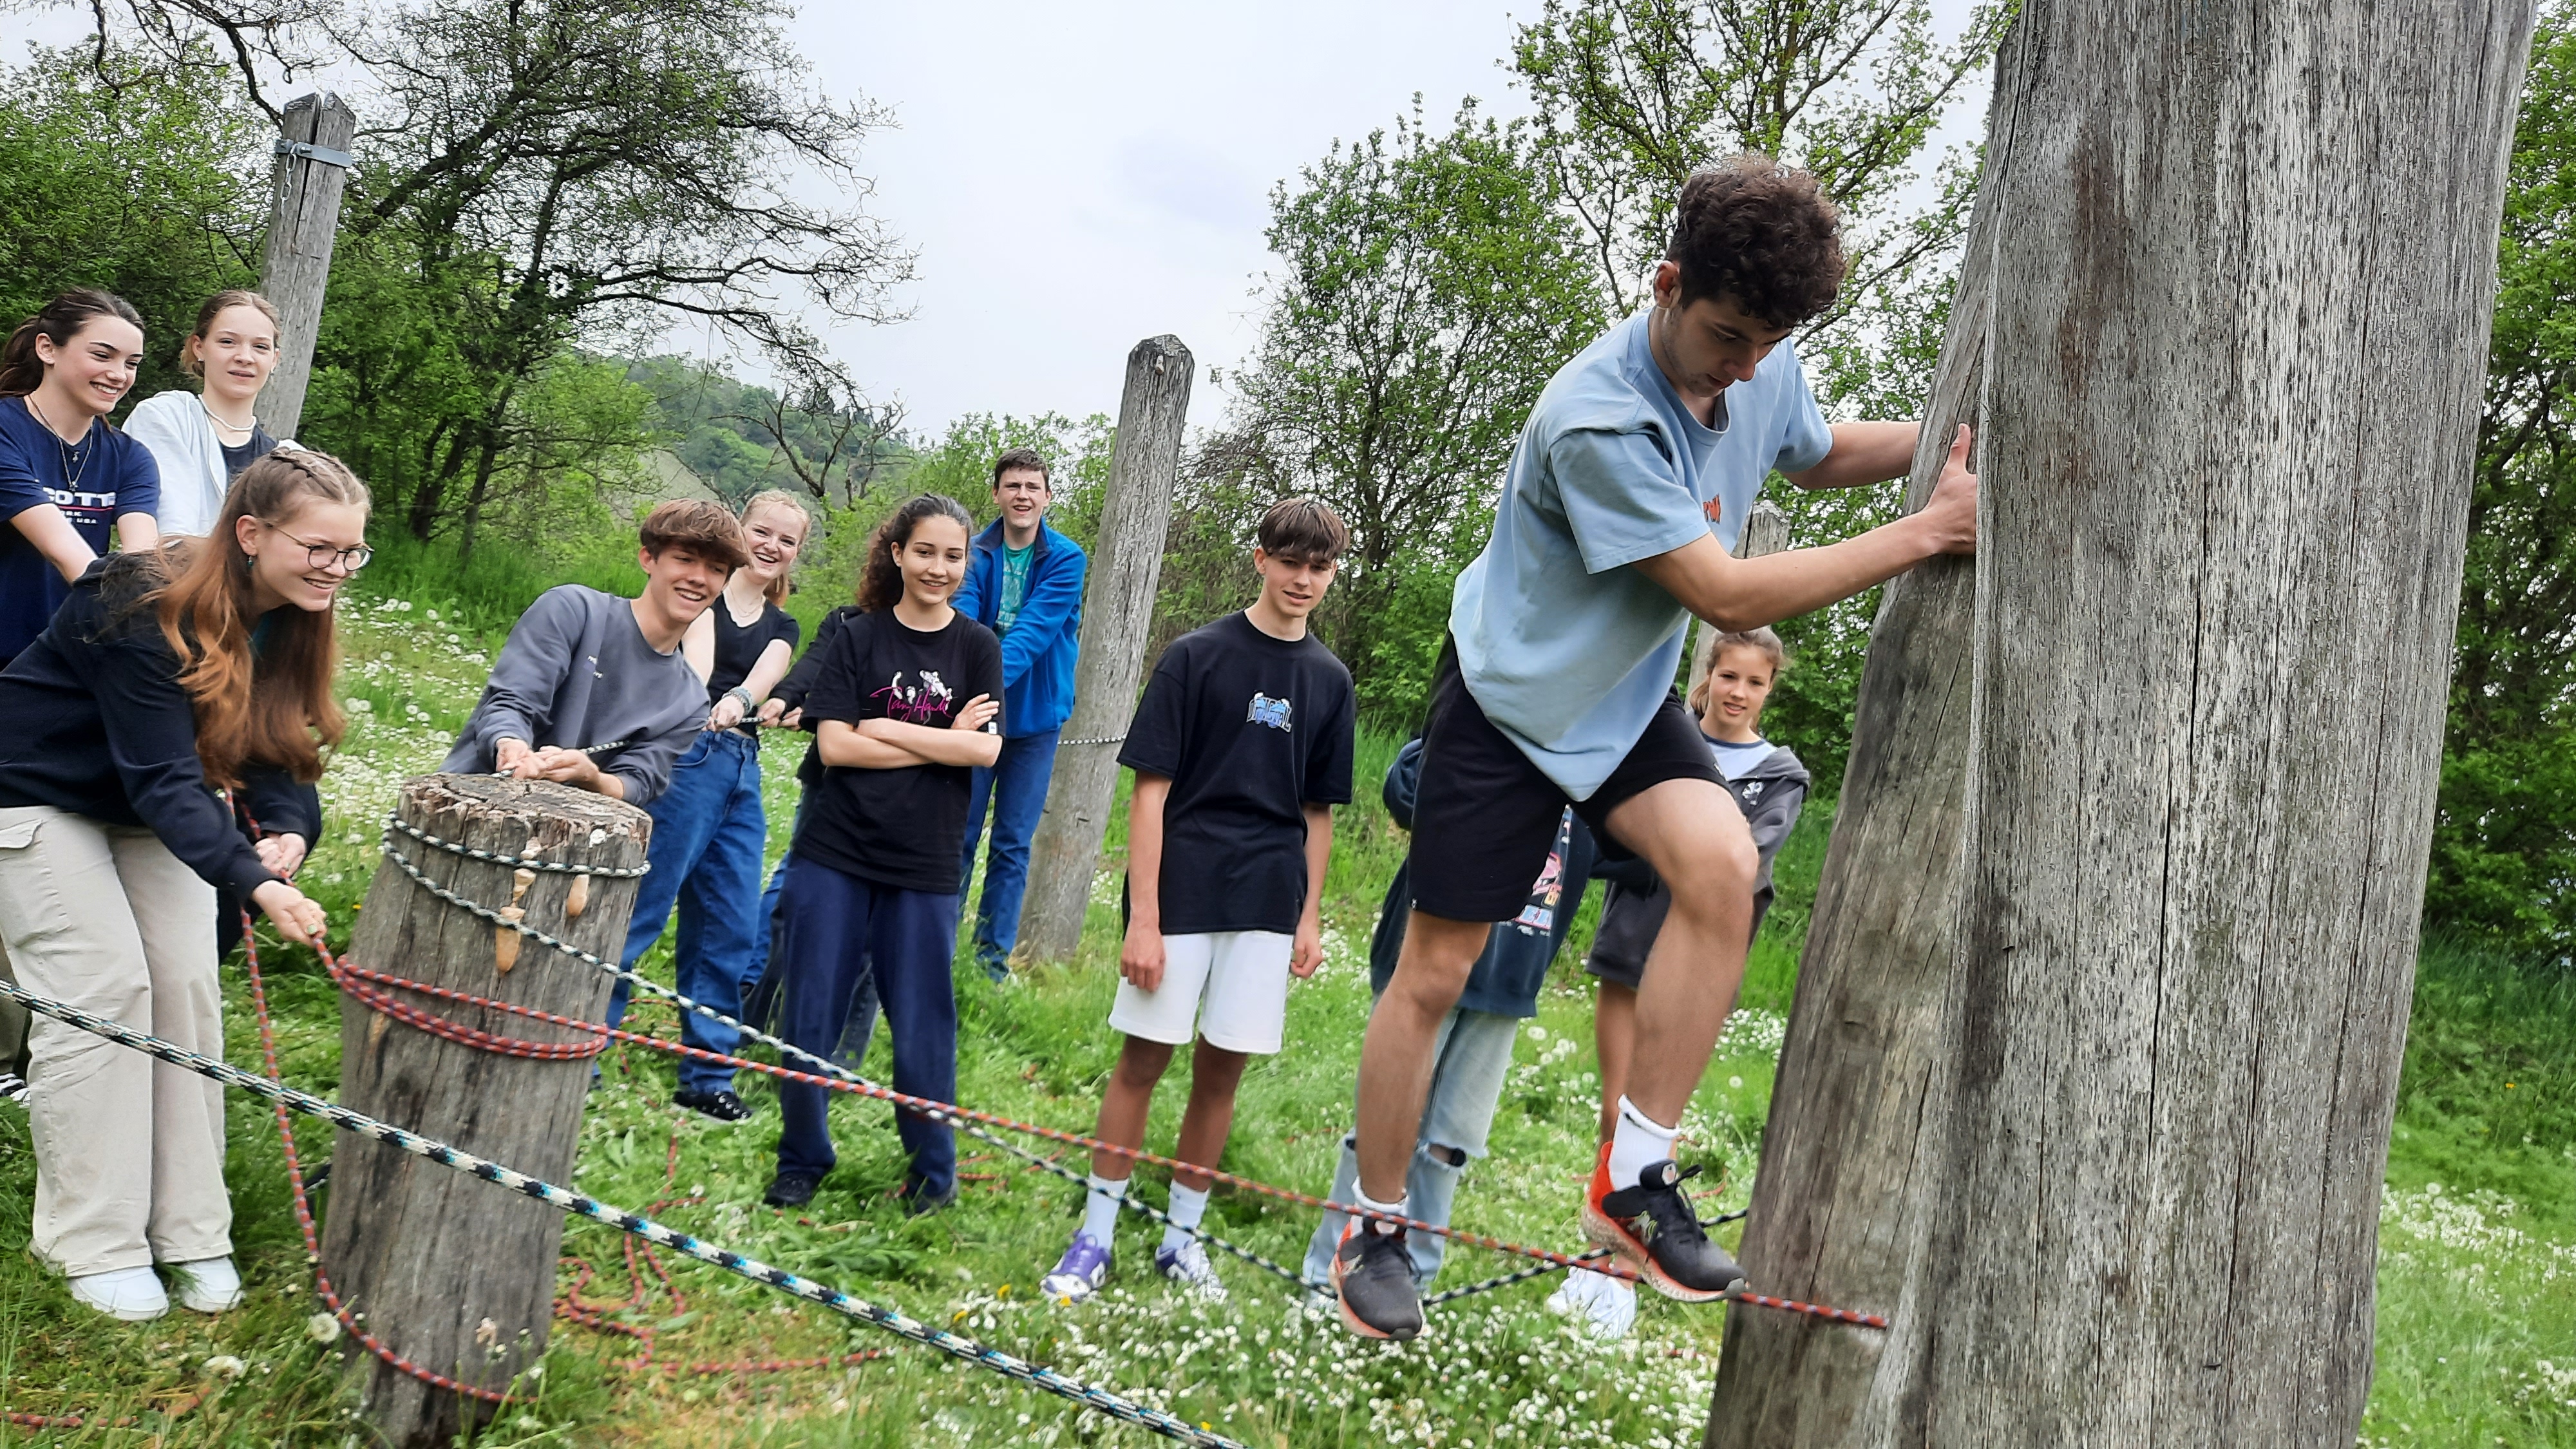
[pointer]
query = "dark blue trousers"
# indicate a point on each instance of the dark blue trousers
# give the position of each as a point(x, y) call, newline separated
point(836, 928)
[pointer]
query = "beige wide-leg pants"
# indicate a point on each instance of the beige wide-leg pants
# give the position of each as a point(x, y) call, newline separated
point(129, 1151)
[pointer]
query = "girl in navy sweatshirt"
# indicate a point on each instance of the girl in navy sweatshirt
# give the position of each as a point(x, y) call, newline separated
point(164, 676)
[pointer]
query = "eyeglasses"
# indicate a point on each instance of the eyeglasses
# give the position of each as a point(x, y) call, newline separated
point(321, 555)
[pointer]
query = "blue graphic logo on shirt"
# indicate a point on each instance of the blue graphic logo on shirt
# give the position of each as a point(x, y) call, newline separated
point(1265, 710)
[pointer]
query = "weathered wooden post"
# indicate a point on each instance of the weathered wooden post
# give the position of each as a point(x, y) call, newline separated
point(452, 1273)
point(1832, 1217)
point(2215, 600)
point(304, 216)
point(1117, 610)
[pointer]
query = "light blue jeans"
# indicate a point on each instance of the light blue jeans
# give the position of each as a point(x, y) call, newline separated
point(1469, 1057)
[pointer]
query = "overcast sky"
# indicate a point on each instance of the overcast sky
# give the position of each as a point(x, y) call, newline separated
point(1079, 177)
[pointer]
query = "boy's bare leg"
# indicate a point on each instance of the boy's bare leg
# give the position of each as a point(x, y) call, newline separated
point(1125, 1104)
point(1695, 838)
point(1215, 1073)
point(1396, 1058)
point(1614, 1041)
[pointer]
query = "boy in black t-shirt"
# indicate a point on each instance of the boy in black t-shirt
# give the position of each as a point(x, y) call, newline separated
point(1241, 746)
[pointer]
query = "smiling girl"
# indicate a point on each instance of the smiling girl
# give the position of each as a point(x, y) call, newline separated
point(200, 442)
point(708, 825)
point(165, 675)
point(66, 477)
point(903, 709)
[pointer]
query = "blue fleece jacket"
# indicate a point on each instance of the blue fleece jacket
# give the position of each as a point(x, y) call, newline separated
point(1038, 651)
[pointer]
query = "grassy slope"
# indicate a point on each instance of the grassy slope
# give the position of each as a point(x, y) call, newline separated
point(2469, 1309)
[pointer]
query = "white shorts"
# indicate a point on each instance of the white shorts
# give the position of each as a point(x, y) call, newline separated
point(1228, 986)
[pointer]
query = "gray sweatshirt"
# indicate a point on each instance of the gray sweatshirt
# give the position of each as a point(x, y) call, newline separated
point(1632, 914)
point(576, 673)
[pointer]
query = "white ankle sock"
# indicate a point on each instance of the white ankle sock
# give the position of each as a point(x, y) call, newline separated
point(1100, 1209)
point(1187, 1208)
point(1396, 1207)
point(1638, 1142)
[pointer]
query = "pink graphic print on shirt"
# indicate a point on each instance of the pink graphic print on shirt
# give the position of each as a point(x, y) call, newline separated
point(926, 702)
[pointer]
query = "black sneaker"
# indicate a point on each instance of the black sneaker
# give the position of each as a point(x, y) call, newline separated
point(791, 1189)
point(1652, 1229)
point(721, 1105)
point(13, 1088)
point(1373, 1274)
point(919, 1202)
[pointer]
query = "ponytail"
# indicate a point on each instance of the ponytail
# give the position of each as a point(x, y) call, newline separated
point(60, 320)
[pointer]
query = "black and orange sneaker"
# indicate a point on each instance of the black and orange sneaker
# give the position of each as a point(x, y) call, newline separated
point(1652, 1229)
point(1373, 1276)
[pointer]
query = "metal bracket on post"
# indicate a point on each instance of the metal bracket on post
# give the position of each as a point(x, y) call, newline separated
point(309, 152)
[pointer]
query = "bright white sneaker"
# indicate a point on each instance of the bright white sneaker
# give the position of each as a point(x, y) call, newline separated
point(1607, 1305)
point(1188, 1266)
point(208, 1285)
point(132, 1294)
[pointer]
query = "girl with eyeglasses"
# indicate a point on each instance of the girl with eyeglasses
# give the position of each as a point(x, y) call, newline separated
point(201, 440)
point(167, 674)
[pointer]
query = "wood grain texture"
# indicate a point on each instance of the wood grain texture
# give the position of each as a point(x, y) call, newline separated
point(1831, 1217)
point(429, 1254)
point(304, 220)
point(2244, 261)
point(1117, 610)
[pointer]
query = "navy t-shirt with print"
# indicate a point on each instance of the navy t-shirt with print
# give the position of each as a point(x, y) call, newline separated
point(1250, 730)
point(903, 828)
point(105, 474)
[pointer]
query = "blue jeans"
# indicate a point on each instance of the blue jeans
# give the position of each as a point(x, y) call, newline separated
point(708, 834)
point(1469, 1057)
point(1016, 789)
point(839, 928)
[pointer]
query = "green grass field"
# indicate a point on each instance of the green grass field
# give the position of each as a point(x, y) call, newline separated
point(2477, 1341)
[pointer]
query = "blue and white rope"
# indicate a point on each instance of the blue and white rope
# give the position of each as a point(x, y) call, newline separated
point(1089, 1396)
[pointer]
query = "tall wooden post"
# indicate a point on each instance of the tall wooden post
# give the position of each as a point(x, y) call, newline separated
point(2220, 572)
point(1117, 610)
point(1833, 1216)
point(454, 1274)
point(304, 216)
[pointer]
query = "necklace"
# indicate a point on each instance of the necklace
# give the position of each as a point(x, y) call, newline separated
point(71, 474)
point(245, 429)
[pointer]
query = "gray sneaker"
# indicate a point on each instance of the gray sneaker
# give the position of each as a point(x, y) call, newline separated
point(1374, 1277)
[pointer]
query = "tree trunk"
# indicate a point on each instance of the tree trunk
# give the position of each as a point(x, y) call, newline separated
point(304, 220)
point(1832, 1218)
point(2244, 264)
point(1117, 613)
point(452, 1273)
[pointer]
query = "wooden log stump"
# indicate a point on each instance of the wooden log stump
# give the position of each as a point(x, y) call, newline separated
point(310, 173)
point(451, 1272)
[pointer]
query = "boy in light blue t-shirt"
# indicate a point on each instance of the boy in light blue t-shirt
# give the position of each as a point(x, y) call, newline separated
point(1623, 496)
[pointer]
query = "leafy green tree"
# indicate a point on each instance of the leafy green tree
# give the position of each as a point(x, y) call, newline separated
point(1429, 284)
point(2504, 853)
point(961, 464)
point(139, 181)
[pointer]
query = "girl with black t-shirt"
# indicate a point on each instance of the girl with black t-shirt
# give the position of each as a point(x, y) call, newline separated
point(708, 827)
point(904, 707)
point(204, 664)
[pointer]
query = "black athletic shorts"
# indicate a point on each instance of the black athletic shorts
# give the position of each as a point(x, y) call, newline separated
point(1485, 817)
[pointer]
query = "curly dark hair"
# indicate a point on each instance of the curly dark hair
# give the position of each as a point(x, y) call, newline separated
point(1759, 233)
point(881, 578)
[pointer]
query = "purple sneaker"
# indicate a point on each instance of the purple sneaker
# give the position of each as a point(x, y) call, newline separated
point(1079, 1273)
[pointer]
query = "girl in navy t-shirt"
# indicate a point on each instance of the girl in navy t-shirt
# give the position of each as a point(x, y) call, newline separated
point(66, 477)
point(903, 709)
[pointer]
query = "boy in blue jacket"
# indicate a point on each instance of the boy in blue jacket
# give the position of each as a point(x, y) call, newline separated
point(1023, 582)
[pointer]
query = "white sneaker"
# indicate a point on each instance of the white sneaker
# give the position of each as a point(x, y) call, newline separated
point(1188, 1265)
point(208, 1285)
point(132, 1294)
point(1607, 1305)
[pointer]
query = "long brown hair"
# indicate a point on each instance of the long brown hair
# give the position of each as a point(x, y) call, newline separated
point(272, 705)
point(61, 320)
point(881, 580)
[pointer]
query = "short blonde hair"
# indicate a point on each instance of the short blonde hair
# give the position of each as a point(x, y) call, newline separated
point(1761, 639)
